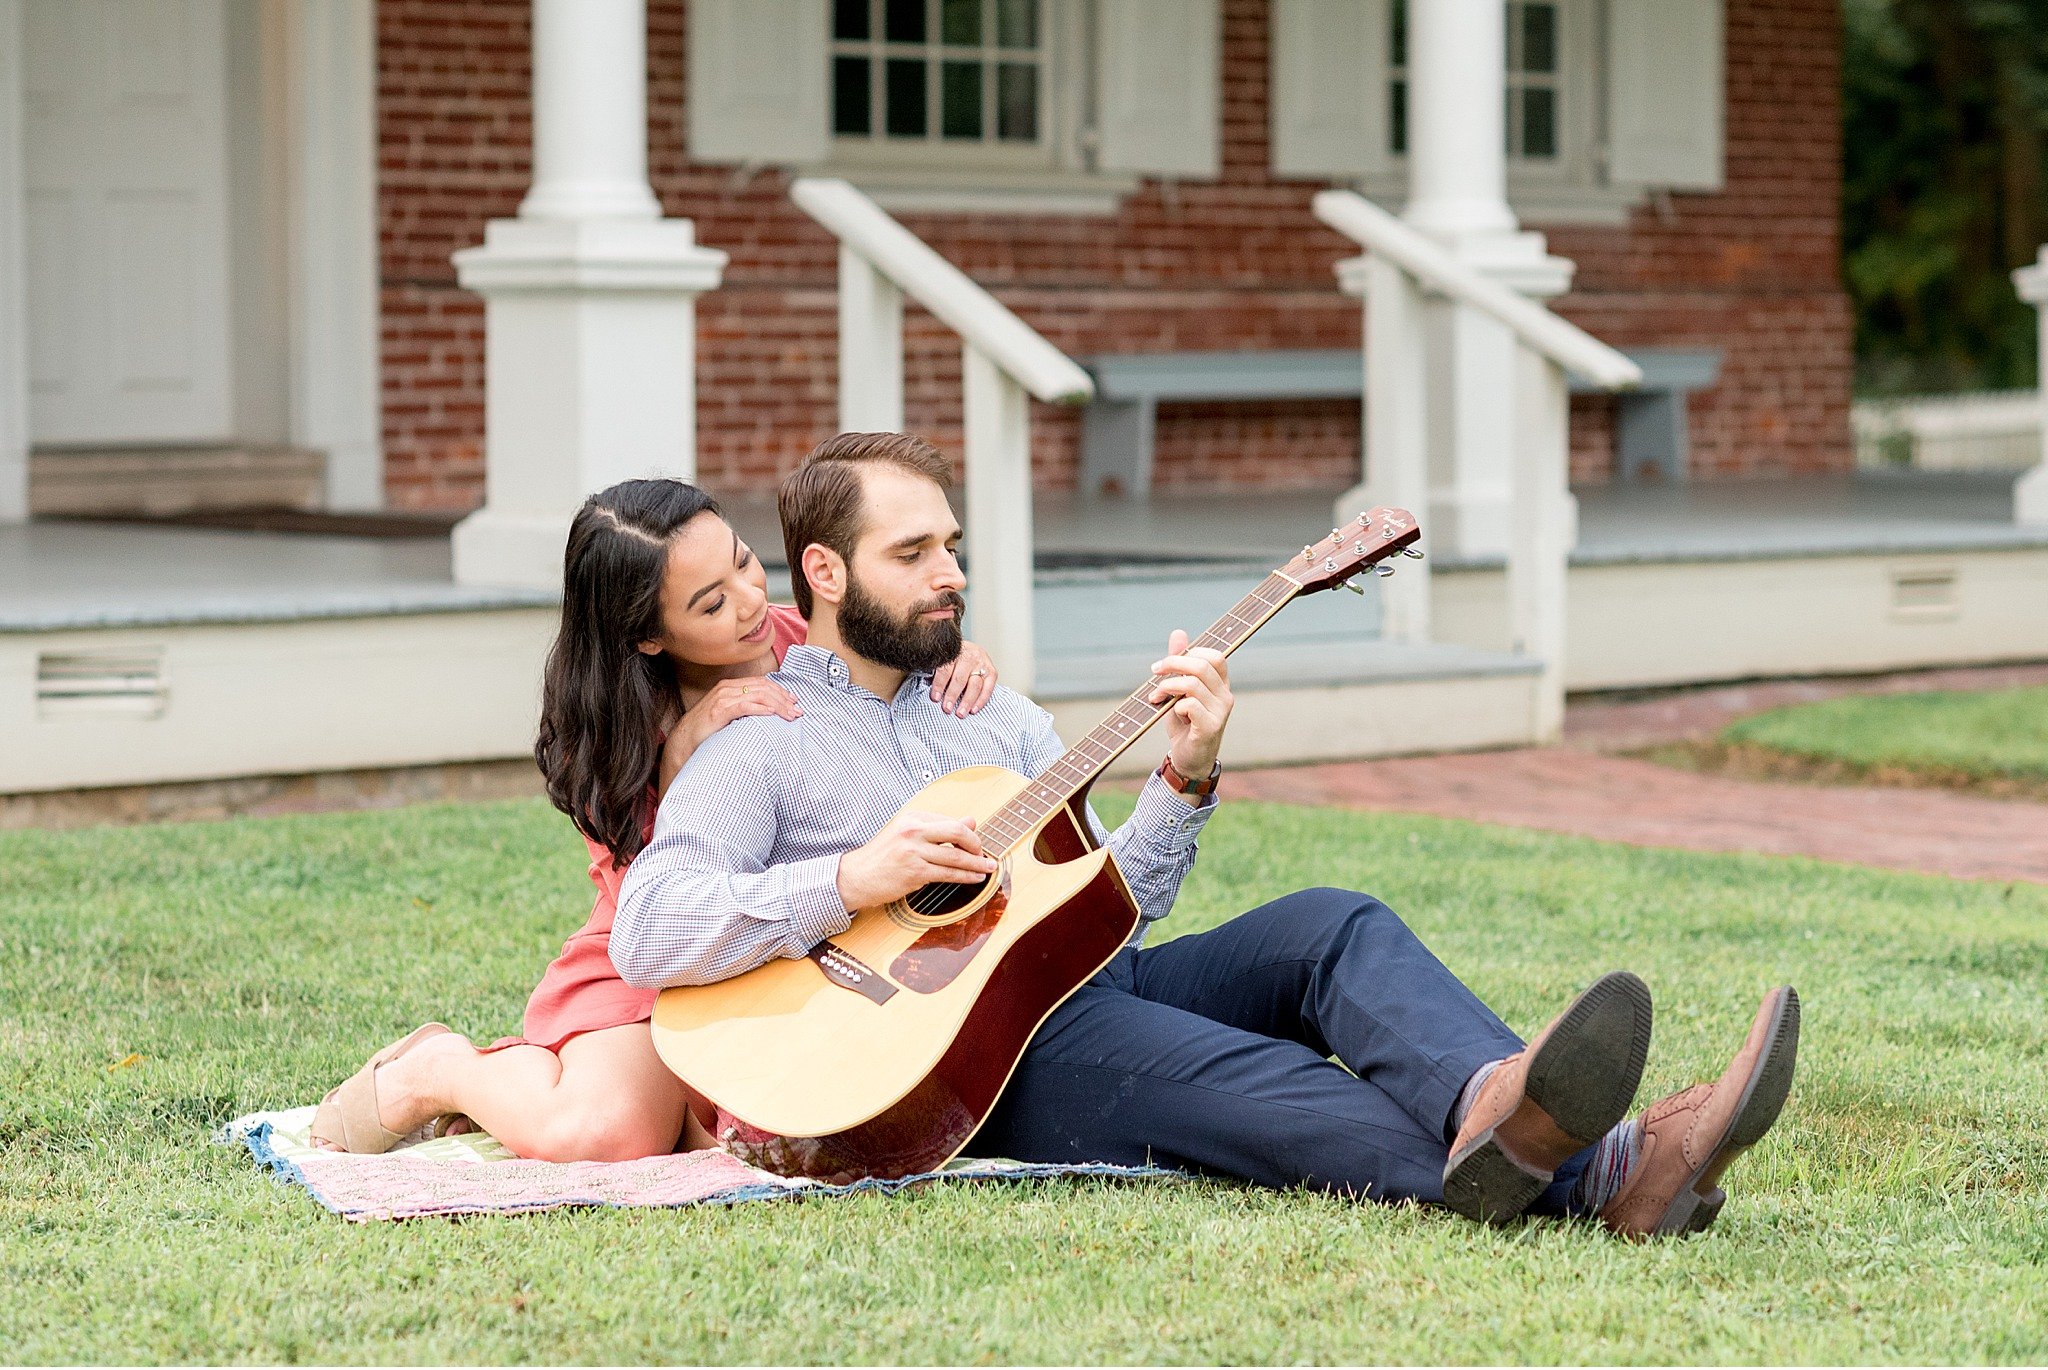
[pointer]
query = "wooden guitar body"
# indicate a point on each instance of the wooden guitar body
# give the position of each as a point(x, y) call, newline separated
point(891, 1041)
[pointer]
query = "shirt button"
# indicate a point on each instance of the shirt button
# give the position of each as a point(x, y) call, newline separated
point(927, 775)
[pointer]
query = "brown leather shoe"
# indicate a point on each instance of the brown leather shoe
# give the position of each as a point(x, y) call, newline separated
point(1551, 1100)
point(1692, 1137)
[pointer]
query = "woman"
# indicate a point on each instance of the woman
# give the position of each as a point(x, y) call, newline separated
point(667, 635)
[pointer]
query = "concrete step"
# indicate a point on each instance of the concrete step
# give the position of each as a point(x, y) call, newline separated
point(174, 480)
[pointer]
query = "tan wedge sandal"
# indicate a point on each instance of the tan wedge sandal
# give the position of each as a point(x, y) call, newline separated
point(347, 1117)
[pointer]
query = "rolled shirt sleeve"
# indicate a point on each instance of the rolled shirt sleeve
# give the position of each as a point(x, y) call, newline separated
point(704, 900)
point(1154, 848)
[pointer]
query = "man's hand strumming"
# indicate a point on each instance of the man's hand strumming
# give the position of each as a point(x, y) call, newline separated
point(913, 851)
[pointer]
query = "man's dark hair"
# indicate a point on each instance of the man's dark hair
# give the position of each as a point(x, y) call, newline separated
point(821, 500)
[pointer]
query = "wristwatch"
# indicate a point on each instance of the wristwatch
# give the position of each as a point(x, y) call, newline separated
point(1190, 789)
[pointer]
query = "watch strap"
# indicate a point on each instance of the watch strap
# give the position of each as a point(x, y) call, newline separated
point(1191, 789)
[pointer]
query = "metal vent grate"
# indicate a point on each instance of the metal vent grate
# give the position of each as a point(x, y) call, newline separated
point(1925, 594)
point(126, 684)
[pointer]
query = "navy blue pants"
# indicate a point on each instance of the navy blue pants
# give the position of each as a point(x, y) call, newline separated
point(1210, 1053)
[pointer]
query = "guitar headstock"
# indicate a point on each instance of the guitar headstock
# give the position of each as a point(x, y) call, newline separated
point(1363, 543)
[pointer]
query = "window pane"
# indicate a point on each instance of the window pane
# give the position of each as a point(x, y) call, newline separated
point(1017, 102)
point(850, 19)
point(1539, 38)
point(1539, 123)
point(1397, 33)
point(1397, 117)
point(960, 22)
point(960, 100)
point(904, 78)
point(851, 105)
point(903, 21)
point(1017, 23)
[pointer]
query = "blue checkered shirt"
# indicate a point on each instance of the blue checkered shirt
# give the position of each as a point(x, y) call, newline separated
point(744, 863)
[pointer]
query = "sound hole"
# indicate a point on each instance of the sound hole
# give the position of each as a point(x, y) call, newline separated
point(942, 897)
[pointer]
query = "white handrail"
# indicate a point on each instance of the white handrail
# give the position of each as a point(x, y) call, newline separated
point(980, 319)
point(1565, 343)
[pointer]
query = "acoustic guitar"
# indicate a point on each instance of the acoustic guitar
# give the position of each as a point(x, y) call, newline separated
point(881, 1052)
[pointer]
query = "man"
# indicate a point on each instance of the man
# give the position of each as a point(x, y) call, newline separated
point(1210, 1052)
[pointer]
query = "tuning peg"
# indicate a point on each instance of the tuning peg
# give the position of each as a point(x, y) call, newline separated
point(1354, 587)
point(1382, 570)
point(1308, 549)
point(1415, 552)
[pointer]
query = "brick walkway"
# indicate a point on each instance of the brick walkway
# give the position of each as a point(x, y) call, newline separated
point(1577, 789)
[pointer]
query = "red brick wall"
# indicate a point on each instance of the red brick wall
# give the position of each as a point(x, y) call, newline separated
point(1237, 264)
point(1753, 270)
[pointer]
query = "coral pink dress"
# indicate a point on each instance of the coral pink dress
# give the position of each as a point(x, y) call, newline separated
point(582, 992)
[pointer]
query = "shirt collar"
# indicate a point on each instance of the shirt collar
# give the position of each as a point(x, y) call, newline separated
point(816, 664)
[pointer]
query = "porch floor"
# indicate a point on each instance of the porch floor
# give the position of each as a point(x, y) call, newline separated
point(56, 574)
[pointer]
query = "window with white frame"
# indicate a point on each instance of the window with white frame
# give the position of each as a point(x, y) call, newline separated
point(1604, 99)
point(962, 104)
point(1534, 69)
point(968, 75)
point(1535, 80)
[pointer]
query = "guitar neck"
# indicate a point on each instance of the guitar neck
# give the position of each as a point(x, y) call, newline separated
point(1086, 759)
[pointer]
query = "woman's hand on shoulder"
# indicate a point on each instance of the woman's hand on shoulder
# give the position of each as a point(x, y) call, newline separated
point(966, 683)
point(739, 697)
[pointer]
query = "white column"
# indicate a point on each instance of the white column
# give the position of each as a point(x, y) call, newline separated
point(1458, 194)
point(999, 584)
point(589, 305)
point(336, 354)
point(1396, 447)
point(1457, 158)
point(589, 111)
point(2030, 492)
point(870, 347)
point(13, 275)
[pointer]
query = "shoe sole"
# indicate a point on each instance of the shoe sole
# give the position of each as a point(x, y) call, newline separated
point(1584, 1078)
point(1763, 1098)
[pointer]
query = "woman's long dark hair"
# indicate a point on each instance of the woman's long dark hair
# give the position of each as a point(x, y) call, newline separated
point(603, 700)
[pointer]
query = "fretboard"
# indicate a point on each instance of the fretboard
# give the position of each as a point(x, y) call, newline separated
point(1085, 760)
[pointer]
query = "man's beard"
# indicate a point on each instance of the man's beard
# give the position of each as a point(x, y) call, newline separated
point(905, 644)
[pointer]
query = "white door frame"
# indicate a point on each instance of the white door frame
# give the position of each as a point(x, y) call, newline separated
point(330, 82)
point(13, 274)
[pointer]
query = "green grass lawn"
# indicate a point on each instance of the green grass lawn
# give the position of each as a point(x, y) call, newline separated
point(1898, 1213)
point(1991, 741)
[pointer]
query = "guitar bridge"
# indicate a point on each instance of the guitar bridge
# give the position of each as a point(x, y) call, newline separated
point(848, 971)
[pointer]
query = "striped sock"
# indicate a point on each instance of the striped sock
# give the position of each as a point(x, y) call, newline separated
point(1613, 1156)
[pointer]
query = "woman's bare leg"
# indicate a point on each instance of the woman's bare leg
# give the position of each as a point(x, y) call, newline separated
point(605, 1097)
